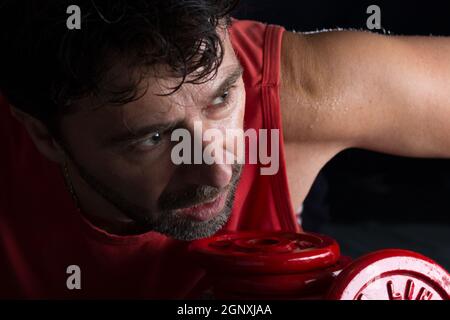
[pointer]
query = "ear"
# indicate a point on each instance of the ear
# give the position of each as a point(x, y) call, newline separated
point(40, 135)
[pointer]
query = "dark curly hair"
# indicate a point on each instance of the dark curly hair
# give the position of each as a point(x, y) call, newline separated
point(45, 67)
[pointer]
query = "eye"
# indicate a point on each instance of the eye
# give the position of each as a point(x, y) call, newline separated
point(222, 99)
point(152, 140)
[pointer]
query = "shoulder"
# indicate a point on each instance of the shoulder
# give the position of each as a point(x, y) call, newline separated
point(257, 46)
point(300, 78)
point(326, 79)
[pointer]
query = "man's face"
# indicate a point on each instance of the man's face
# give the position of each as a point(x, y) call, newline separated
point(121, 162)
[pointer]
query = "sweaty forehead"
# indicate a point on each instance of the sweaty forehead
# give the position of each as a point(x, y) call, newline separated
point(151, 107)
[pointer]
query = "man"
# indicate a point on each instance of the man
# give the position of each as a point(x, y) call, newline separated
point(93, 204)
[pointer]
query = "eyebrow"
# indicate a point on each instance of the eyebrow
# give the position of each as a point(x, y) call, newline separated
point(134, 135)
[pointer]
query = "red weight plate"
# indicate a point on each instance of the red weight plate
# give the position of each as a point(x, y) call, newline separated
point(316, 282)
point(392, 275)
point(266, 252)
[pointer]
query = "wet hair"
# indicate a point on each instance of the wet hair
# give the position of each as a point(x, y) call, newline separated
point(45, 67)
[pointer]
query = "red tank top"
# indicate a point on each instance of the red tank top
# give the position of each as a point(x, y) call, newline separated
point(42, 234)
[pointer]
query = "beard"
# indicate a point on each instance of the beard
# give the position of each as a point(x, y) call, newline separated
point(167, 221)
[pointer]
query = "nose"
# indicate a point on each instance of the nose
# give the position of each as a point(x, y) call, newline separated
point(216, 175)
point(214, 172)
point(209, 163)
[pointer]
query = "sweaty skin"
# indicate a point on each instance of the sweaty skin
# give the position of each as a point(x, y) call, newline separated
point(339, 90)
point(349, 89)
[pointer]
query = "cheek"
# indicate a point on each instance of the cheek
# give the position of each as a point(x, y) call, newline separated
point(142, 182)
point(236, 120)
point(140, 179)
point(241, 107)
point(239, 148)
point(233, 131)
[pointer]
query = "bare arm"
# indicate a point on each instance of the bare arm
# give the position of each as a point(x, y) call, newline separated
point(356, 89)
